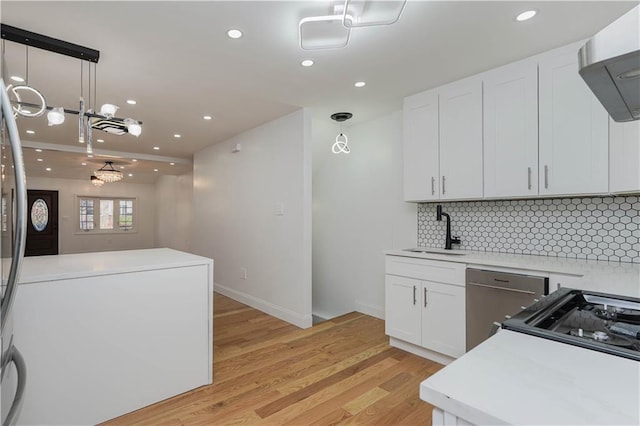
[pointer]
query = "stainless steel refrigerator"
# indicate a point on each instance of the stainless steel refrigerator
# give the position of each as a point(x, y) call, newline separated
point(13, 190)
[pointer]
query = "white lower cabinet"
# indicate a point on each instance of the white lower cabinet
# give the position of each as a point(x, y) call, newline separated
point(424, 312)
point(442, 331)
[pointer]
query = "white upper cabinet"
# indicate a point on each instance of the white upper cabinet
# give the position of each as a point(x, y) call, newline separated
point(461, 140)
point(510, 104)
point(624, 156)
point(421, 173)
point(573, 130)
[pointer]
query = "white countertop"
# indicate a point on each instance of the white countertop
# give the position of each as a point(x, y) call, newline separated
point(607, 277)
point(514, 378)
point(65, 266)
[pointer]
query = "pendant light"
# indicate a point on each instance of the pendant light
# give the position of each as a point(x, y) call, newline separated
point(341, 145)
point(88, 117)
point(107, 173)
point(96, 181)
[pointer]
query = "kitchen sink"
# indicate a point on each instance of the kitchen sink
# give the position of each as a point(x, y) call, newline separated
point(436, 251)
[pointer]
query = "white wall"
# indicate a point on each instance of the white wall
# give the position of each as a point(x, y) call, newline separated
point(72, 242)
point(174, 213)
point(358, 212)
point(236, 199)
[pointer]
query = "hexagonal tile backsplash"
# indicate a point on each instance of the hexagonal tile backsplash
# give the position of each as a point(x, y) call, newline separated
point(602, 228)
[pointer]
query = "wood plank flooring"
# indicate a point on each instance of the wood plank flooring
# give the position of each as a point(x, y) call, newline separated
point(268, 372)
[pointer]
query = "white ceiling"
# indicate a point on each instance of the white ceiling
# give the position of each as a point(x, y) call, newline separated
point(175, 60)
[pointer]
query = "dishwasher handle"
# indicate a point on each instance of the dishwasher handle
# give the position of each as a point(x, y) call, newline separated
point(502, 288)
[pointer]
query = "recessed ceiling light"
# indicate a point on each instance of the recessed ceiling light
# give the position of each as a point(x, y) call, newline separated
point(121, 167)
point(31, 132)
point(359, 84)
point(156, 148)
point(38, 150)
point(40, 159)
point(177, 136)
point(17, 78)
point(84, 164)
point(155, 170)
point(234, 33)
point(101, 140)
point(48, 169)
point(134, 160)
point(526, 15)
point(207, 117)
point(306, 63)
point(131, 102)
point(172, 164)
point(130, 174)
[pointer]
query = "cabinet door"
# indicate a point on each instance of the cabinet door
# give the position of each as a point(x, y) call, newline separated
point(443, 318)
point(420, 139)
point(573, 130)
point(510, 99)
point(624, 156)
point(461, 140)
point(402, 311)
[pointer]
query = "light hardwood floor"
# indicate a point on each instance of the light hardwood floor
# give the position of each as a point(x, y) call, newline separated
point(267, 371)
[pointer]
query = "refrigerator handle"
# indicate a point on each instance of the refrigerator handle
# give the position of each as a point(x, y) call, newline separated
point(21, 206)
point(21, 368)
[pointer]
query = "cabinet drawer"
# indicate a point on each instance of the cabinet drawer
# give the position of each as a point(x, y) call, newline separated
point(424, 269)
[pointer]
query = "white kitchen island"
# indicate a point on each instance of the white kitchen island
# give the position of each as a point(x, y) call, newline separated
point(107, 333)
point(517, 379)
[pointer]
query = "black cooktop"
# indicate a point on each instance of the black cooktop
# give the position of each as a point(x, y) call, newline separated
point(597, 321)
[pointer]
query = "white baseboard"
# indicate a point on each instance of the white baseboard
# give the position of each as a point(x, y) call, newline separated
point(302, 321)
point(420, 351)
point(368, 309)
point(323, 315)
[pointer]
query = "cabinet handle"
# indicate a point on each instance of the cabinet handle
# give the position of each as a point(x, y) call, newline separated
point(529, 178)
point(414, 294)
point(546, 176)
point(425, 297)
point(433, 185)
point(443, 189)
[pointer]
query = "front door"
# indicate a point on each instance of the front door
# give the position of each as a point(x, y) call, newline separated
point(42, 228)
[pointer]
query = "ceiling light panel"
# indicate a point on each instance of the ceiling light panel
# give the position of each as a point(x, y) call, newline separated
point(207, 117)
point(524, 16)
point(306, 63)
point(234, 33)
point(323, 32)
point(366, 13)
point(359, 84)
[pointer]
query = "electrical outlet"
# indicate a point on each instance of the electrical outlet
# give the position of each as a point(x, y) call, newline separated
point(243, 273)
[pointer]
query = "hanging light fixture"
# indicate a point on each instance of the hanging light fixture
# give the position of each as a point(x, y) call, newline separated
point(55, 116)
point(88, 119)
point(133, 126)
point(96, 181)
point(107, 173)
point(341, 145)
point(108, 110)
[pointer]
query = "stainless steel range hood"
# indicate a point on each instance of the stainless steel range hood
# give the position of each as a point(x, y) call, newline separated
point(610, 65)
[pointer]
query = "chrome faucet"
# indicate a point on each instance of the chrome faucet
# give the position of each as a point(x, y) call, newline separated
point(448, 240)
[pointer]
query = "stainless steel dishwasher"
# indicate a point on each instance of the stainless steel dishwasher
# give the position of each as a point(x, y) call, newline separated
point(490, 295)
